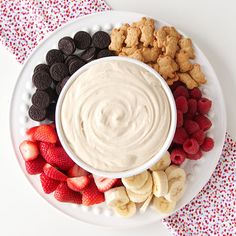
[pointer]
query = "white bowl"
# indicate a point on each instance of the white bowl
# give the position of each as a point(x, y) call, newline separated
point(140, 168)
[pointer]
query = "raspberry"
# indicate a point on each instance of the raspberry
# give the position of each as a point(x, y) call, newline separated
point(192, 106)
point(188, 116)
point(191, 126)
point(191, 146)
point(196, 93)
point(196, 156)
point(181, 104)
point(199, 136)
point(177, 156)
point(175, 85)
point(180, 136)
point(207, 145)
point(204, 105)
point(180, 119)
point(181, 91)
point(203, 122)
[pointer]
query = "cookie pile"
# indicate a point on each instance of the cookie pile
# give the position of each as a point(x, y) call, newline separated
point(61, 63)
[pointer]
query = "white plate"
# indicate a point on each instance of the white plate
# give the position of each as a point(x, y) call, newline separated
point(198, 172)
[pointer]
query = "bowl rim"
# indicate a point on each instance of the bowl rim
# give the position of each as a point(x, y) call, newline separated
point(136, 170)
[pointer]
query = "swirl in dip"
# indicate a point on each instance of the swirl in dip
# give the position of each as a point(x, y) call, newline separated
point(115, 116)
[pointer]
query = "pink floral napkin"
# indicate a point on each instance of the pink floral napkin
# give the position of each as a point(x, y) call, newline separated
point(23, 23)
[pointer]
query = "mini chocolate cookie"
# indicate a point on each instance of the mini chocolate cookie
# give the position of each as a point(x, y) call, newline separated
point(75, 65)
point(82, 40)
point(39, 67)
point(52, 94)
point(67, 45)
point(104, 53)
point(42, 80)
point(36, 113)
point(58, 71)
point(88, 54)
point(40, 99)
point(64, 81)
point(51, 112)
point(58, 88)
point(54, 56)
point(101, 40)
point(69, 58)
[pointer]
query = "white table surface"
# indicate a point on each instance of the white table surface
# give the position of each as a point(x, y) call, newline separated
point(211, 23)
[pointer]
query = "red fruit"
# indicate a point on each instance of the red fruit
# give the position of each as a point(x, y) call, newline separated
point(181, 91)
point(54, 173)
point(43, 148)
point(45, 133)
point(56, 156)
point(29, 150)
point(199, 136)
point(180, 136)
point(180, 119)
point(49, 185)
point(191, 126)
point(175, 85)
point(207, 145)
point(203, 122)
point(177, 156)
point(191, 146)
point(91, 195)
point(204, 105)
point(118, 183)
point(35, 166)
point(78, 183)
point(64, 194)
point(188, 116)
point(30, 133)
point(104, 184)
point(196, 156)
point(181, 104)
point(195, 93)
point(192, 106)
point(77, 171)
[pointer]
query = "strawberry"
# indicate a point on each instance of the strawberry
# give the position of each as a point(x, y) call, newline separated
point(104, 184)
point(54, 173)
point(45, 133)
point(35, 166)
point(78, 183)
point(91, 195)
point(30, 133)
point(56, 156)
point(29, 150)
point(118, 183)
point(43, 148)
point(64, 194)
point(49, 185)
point(76, 171)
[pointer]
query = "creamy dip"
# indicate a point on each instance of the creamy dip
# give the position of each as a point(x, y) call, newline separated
point(115, 116)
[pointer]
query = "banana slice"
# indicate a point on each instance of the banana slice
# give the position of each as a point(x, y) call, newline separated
point(163, 206)
point(176, 190)
point(175, 172)
point(116, 197)
point(136, 181)
point(145, 205)
point(160, 183)
point(146, 188)
point(135, 197)
point(163, 163)
point(126, 210)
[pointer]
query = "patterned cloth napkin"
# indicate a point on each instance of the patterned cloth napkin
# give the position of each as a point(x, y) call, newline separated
point(24, 23)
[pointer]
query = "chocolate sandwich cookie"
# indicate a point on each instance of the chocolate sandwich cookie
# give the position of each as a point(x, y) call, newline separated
point(52, 94)
point(42, 80)
point(104, 53)
point(89, 54)
point(51, 110)
point(75, 65)
point(41, 67)
point(36, 113)
point(82, 40)
point(69, 58)
point(58, 88)
point(101, 40)
point(64, 81)
point(40, 99)
point(54, 56)
point(67, 45)
point(58, 71)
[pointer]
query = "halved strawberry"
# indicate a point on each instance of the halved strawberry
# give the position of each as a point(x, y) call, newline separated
point(77, 171)
point(30, 133)
point(104, 184)
point(29, 150)
point(54, 173)
point(118, 183)
point(45, 133)
point(78, 183)
point(43, 148)
point(64, 194)
point(35, 166)
point(49, 185)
